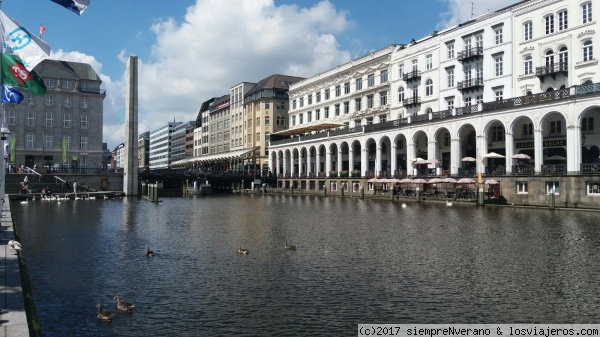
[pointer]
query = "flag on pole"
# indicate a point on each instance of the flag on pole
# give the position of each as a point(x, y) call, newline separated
point(64, 151)
point(13, 149)
point(11, 94)
point(17, 39)
point(76, 6)
point(42, 30)
point(15, 73)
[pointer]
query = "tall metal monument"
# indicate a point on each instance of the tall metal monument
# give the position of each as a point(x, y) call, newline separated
point(130, 183)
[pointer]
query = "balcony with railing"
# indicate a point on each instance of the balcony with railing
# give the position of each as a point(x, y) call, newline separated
point(472, 84)
point(413, 75)
point(470, 54)
point(412, 102)
point(552, 70)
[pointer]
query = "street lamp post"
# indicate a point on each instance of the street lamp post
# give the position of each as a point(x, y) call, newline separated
point(3, 133)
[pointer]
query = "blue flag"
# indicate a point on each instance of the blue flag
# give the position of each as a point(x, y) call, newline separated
point(11, 94)
point(76, 6)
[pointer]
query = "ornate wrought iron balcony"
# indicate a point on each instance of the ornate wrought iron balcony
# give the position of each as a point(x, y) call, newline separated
point(471, 84)
point(414, 75)
point(552, 70)
point(470, 54)
point(412, 102)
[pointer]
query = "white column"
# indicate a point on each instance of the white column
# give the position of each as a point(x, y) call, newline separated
point(350, 159)
point(308, 163)
point(327, 162)
point(509, 146)
point(574, 150)
point(300, 162)
point(538, 137)
point(285, 163)
point(481, 147)
point(277, 163)
point(339, 161)
point(364, 161)
point(455, 156)
point(292, 164)
point(411, 155)
point(393, 156)
point(377, 161)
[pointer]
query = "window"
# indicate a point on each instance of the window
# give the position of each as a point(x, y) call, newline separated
point(498, 65)
point(48, 141)
point(300, 119)
point(563, 56)
point(346, 107)
point(309, 99)
point(308, 116)
point(552, 187)
point(357, 106)
point(428, 62)
point(338, 90)
point(347, 88)
point(267, 120)
point(415, 65)
point(68, 138)
point(83, 141)
point(479, 41)
point(84, 103)
point(50, 100)
point(358, 84)
point(562, 20)
point(383, 98)
point(67, 84)
point(498, 35)
point(326, 112)
point(556, 127)
point(30, 118)
point(528, 129)
point(450, 104)
point(478, 99)
point(301, 102)
point(593, 187)
point(521, 187)
point(586, 10)
point(549, 24)
point(357, 122)
point(293, 121)
point(318, 97)
point(67, 101)
point(467, 43)
point(66, 120)
point(370, 80)
point(49, 119)
point(326, 94)
point(549, 58)
point(12, 117)
point(528, 65)
point(400, 71)
point(527, 31)
point(497, 133)
point(83, 121)
point(588, 50)
point(428, 87)
point(383, 76)
point(468, 101)
point(30, 141)
point(30, 99)
point(587, 124)
point(450, 50)
point(50, 83)
point(450, 77)
point(317, 114)
point(400, 94)
point(337, 109)
point(369, 101)
point(294, 104)
point(499, 94)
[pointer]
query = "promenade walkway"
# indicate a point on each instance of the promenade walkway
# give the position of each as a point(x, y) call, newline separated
point(13, 318)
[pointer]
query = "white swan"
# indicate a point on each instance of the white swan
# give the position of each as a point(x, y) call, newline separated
point(14, 245)
point(403, 205)
point(448, 203)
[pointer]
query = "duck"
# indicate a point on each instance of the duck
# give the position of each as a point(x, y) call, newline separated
point(403, 205)
point(122, 305)
point(242, 250)
point(26, 201)
point(448, 203)
point(106, 316)
point(14, 245)
point(149, 253)
point(289, 247)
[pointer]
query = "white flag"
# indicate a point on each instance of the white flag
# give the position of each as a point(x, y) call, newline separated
point(18, 40)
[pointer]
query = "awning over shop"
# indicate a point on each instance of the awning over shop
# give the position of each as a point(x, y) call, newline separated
point(309, 128)
point(239, 154)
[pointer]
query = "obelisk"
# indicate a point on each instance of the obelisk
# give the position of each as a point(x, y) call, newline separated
point(130, 178)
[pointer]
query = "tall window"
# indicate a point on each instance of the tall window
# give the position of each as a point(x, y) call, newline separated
point(556, 127)
point(309, 100)
point(346, 88)
point(400, 71)
point(318, 96)
point(383, 98)
point(294, 104)
point(587, 124)
point(415, 65)
point(346, 107)
point(499, 95)
point(549, 24)
point(562, 20)
point(528, 65)
point(383, 76)
point(338, 91)
point(84, 103)
point(549, 58)
point(428, 61)
point(479, 71)
point(400, 94)
point(30, 99)
point(369, 101)
point(83, 121)
point(370, 80)
point(30, 118)
point(528, 129)
point(337, 109)
point(450, 77)
point(68, 138)
point(357, 104)
point(563, 56)
point(498, 35)
point(66, 120)
point(450, 50)
point(301, 102)
point(467, 43)
point(358, 84)
point(586, 10)
point(498, 65)
point(428, 87)
point(49, 100)
point(12, 117)
point(30, 141)
point(67, 101)
point(49, 119)
point(552, 187)
point(48, 141)
point(588, 50)
point(326, 109)
point(498, 133)
point(83, 142)
point(527, 31)
point(327, 94)
point(521, 187)
point(267, 120)
point(479, 41)
point(450, 104)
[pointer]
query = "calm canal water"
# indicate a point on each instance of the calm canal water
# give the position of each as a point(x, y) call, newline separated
point(357, 261)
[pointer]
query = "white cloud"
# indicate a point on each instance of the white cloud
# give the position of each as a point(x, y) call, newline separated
point(459, 11)
point(217, 46)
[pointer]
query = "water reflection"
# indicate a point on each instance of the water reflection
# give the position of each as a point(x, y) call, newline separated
point(357, 261)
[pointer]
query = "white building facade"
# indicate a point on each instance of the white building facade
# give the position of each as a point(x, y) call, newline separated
point(160, 145)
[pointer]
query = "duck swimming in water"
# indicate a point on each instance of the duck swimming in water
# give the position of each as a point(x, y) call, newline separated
point(289, 247)
point(242, 250)
point(149, 253)
point(106, 316)
point(122, 305)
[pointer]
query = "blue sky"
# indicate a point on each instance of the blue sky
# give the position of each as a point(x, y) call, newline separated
point(192, 50)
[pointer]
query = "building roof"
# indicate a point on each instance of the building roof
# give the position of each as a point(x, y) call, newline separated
point(301, 130)
point(274, 82)
point(220, 102)
point(83, 70)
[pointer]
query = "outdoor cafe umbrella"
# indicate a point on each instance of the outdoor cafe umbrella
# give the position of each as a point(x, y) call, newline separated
point(435, 181)
point(468, 160)
point(493, 155)
point(556, 157)
point(419, 181)
point(405, 180)
point(521, 156)
point(449, 180)
point(491, 182)
point(465, 181)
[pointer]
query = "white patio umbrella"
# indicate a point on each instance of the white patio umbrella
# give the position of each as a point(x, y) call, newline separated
point(521, 156)
point(556, 157)
point(449, 180)
point(435, 181)
point(493, 155)
point(465, 181)
point(419, 181)
point(432, 161)
point(405, 180)
point(468, 160)
point(491, 182)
